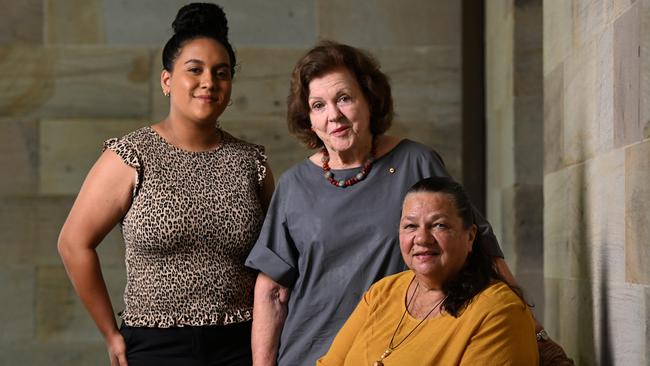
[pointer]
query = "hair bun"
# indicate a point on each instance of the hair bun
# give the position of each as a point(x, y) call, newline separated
point(201, 17)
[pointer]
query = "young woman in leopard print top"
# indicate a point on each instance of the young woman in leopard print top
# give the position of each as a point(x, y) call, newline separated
point(190, 199)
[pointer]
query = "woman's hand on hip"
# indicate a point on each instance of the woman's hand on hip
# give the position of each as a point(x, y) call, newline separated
point(116, 350)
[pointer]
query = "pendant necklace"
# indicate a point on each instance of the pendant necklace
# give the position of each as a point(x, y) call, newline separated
point(391, 347)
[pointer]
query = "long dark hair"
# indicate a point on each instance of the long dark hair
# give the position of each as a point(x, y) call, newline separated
point(479, 270)
point(198, 20)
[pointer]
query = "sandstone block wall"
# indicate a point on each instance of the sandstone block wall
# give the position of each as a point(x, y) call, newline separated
point(73, 73)
point(596, 263)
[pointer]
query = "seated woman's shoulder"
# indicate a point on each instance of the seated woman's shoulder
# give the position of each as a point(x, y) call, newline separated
point(499, 293)
point(392, 282)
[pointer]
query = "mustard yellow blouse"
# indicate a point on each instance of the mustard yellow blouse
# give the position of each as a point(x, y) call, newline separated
point(497, 328)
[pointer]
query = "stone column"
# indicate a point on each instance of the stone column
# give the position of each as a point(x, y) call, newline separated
point(515, 138)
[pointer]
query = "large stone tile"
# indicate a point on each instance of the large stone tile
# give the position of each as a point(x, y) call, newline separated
point(390, 23)
point(69, 148)
point(553, 120)
point(590, 18)
point(19, 156)
point(425, 82)
point(569, 317)
point(91, 352)
point(17, 315)
point(282, 149)
point(644, 69)
point(159, 102)
point(522, 239)
point(589, 95)
point(70, 322)
point(522, 219)
point(619, 334)
point(627, 126)
point(261, 84)
point(30, 227)
point(22, 21)
point(18, 230)
point(614, 9)
point(74, 82)
point(285, 22)
point(584, 219)
point(444, 139)
point(597, 321)
point(50, 214)
point(637, 213)
point(528, 139)
point(558, 25)
point(528, 51)
point(499, 54)
point(73, 22)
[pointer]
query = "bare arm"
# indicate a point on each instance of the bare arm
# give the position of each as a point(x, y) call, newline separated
point(269, 313)
point(103, 199)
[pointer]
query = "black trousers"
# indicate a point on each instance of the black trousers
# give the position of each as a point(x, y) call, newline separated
point(227, 345)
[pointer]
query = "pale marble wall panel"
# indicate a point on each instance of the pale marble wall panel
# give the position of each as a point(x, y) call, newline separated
point(553, 120)
point(644, 110)
point(614, 9)
point(69, 148)
point(588, 106)
point(528, 131)
point(590, 19)
point(596, 320)
point(569, 317)
point(558, 24)
point(70, 322)
point(619, 331)
point(17, 315)
point(255, 22)
point(74, 82)
point(637, 204)
point(22, 21)
point(627, 126)
point(584, 219)
point(73, 22)
point(19, 155)
point(390, 23)
point(500, 117)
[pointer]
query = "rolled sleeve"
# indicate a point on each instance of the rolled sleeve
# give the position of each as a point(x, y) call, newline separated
point(275, 253)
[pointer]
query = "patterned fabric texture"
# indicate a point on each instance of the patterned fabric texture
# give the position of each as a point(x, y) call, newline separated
point(193, 220)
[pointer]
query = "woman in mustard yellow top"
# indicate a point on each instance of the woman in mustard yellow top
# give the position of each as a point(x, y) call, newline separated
point(450, 308)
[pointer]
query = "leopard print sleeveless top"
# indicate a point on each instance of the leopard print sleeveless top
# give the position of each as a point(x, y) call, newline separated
point(193, 219)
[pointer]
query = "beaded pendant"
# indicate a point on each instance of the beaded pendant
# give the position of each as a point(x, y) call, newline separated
point(365, 169)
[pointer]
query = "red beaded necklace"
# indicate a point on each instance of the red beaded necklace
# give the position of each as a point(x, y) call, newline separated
point(327, 171)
